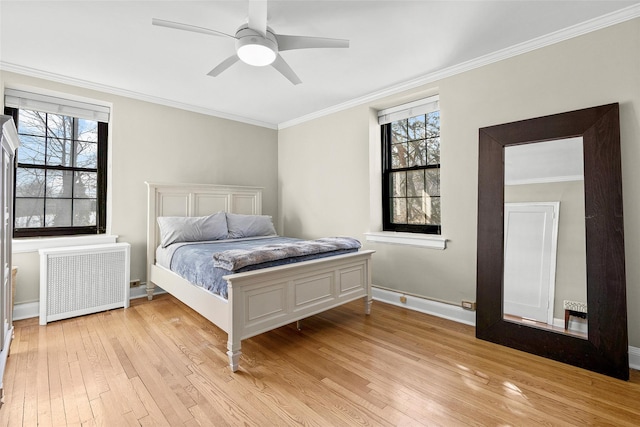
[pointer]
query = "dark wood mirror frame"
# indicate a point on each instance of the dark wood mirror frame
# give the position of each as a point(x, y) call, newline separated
point(606, 350)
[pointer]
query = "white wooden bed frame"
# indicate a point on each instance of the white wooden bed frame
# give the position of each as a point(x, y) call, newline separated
point(260, 300)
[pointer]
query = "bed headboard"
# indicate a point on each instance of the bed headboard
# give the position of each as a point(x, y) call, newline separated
point(195, 200)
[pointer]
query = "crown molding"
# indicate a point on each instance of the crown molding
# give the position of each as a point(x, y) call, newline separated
point(586, 27)
point(32, 72)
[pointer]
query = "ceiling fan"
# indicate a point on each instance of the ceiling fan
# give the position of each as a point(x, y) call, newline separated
point(257, 44)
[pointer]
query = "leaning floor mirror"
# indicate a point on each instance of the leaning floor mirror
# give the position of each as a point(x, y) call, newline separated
point(551, 268)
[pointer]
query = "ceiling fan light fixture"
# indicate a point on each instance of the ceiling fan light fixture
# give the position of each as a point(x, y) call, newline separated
point(253, 49)
point(256, 54)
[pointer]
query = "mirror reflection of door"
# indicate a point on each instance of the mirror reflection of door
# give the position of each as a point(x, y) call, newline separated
point(550, 171)
point(530, 239)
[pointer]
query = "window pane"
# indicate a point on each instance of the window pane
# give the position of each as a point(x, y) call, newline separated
point(32, 123)
point(399, 213)
point(31, 150)
point(58, 213)
point(399, 156)
point(60, 126)
point(398, 184)
point(86, 155)
point(433, 125)
point(416, 211)
point(59, 152)
point(433, 210)
point(415, 183)
point(432, 185)
point(86, 184)
point(399, 131)
point(29, 182)
point(417, 153)
point(416, 127)
point(59, 184)
point(29, 213)
point(433, 150)
point(87, 130)
point(84, 212)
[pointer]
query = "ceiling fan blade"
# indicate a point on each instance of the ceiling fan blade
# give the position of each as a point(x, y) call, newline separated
point(284, 69)
point(223, 65)
point(258, 16)
point(187, 27)
point(303, 42)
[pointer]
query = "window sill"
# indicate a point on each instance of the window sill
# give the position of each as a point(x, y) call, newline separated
point(410, 239)
point(32, 245)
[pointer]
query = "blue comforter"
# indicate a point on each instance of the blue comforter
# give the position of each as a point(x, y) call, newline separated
point(195, 261)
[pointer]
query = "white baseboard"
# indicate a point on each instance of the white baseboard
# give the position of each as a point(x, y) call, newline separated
point(423, 305)
point(28, 310)
point(634, 358)
point(575, 324)
point(455, 313)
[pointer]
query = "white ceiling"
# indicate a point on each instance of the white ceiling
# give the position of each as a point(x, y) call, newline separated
point(112, 46)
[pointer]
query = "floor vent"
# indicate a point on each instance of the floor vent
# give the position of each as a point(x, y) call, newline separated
point(83, 279)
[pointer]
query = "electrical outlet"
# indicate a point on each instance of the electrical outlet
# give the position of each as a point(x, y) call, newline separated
point(468, 305)
point(134, 283)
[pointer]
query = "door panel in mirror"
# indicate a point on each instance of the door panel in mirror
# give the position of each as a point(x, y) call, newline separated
point(530, 241)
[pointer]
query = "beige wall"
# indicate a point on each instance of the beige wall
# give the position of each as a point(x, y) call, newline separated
point(324, 170)
point(150, 142)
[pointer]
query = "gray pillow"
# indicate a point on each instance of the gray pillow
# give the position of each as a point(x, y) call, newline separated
point(249, 226)
point(175, 229)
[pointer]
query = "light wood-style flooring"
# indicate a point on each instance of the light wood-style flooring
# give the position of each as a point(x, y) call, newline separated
point(158, 363)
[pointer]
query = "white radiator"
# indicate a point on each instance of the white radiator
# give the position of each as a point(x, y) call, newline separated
point(83, 279)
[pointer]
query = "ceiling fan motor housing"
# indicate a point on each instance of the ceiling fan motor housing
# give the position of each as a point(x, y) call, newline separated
point(254, 49)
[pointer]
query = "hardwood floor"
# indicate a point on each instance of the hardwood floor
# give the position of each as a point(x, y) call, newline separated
point(158, 363)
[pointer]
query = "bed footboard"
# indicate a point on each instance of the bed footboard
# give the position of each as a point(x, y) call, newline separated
point(263, 300)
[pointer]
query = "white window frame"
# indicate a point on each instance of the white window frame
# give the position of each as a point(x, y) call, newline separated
point(376, 234)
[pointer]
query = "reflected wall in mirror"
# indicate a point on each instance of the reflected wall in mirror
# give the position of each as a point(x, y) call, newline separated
point(544, 236)
point(605, 348)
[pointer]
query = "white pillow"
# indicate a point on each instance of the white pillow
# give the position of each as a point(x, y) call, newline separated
point(175, 229)
point(249, 226)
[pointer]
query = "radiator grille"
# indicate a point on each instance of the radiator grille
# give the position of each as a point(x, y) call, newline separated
point(83, 280)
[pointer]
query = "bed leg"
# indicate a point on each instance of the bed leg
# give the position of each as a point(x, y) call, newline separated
point(367, 305)
point(234, 355)
point(150, 288)
point(298, 325)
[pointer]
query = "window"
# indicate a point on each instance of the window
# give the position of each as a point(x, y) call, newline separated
point(61, 165)
point(411, 167)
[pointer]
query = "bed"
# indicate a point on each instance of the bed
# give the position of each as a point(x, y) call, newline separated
point(259, 300)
